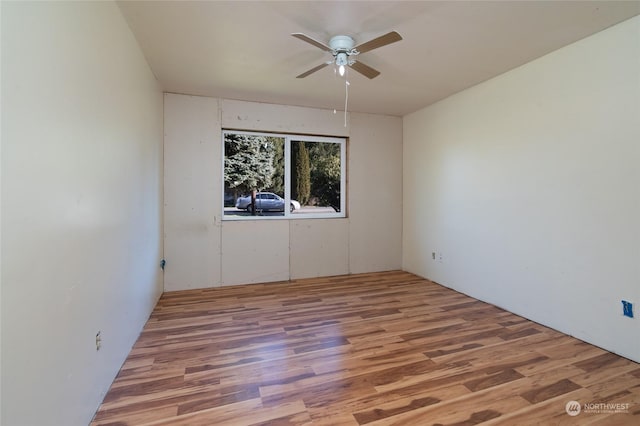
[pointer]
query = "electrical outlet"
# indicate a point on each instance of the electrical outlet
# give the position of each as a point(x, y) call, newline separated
point(440, 257)
point(627, 309)
point(98, 340)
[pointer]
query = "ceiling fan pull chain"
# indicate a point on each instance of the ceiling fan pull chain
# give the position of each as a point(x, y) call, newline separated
point(346, 100)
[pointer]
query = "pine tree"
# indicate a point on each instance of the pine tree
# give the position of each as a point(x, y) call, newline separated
point(324, 159)
point(303, 174)
point(248, 162)
point(277, 180)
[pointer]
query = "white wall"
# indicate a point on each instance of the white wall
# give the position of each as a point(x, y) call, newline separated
point(192, 155)
point(204, 251)
point(81, 207)
point(529, 186)
point(375, 197)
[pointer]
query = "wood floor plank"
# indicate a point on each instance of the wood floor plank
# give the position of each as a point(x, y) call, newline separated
point(550, 412)
point(384, 348)
point(145, 414)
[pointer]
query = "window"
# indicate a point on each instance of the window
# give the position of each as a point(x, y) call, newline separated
point(273, 176)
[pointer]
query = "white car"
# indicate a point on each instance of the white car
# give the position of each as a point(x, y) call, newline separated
point(266, 201)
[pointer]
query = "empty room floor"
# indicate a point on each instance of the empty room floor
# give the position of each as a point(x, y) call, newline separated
point(380, 348)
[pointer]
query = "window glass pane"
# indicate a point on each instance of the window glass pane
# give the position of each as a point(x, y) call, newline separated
point(316, 176)
point(267, 175)
point(253, 163)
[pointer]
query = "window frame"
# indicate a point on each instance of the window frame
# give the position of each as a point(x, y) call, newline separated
point(288, 139)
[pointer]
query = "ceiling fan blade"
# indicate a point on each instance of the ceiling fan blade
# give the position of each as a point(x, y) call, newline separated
point(309, 40)
point(383, 40)
point(312, 70)
point(365, 70)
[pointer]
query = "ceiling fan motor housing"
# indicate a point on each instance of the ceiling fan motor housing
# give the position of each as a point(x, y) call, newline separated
point(341, 43)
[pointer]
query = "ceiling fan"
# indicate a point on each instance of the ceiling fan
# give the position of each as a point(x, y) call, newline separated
point(344, 51)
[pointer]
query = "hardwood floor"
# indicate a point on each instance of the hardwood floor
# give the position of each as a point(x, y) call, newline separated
point(376, 349)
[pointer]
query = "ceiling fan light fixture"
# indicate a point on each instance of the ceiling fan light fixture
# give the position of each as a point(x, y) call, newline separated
point(341, 62)
point(341, 59)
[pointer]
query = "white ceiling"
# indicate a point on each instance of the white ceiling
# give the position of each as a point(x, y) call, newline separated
point(244, 50)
